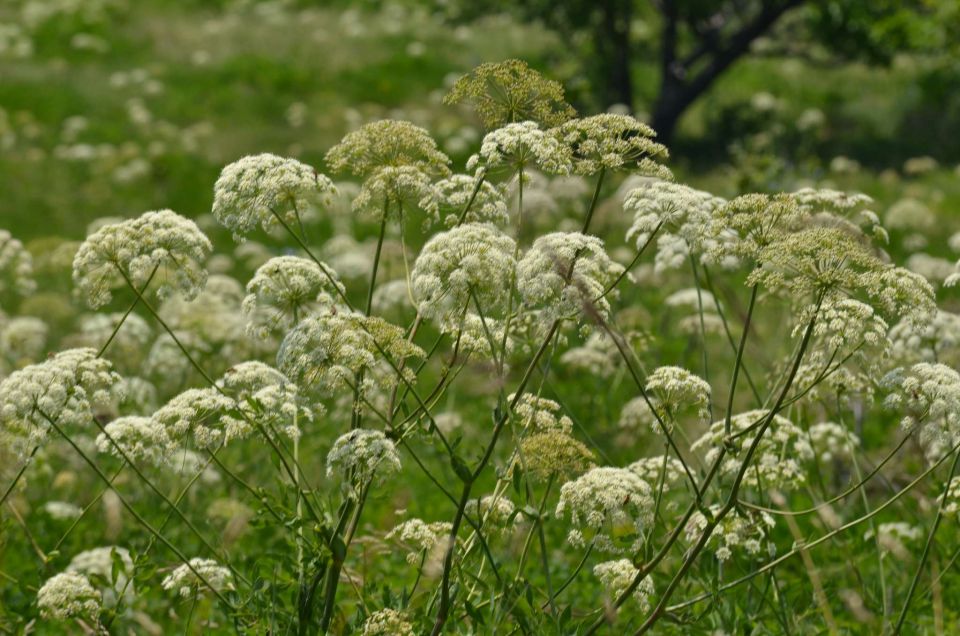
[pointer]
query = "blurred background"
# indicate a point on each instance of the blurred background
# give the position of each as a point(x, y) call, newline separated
point(114, 107)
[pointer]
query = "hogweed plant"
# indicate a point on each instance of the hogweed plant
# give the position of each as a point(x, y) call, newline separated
point(588, 400)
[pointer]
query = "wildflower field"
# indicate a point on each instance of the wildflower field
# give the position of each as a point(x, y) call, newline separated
point(342, 318)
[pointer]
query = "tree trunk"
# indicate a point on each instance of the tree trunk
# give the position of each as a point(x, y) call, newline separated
point(617, 15)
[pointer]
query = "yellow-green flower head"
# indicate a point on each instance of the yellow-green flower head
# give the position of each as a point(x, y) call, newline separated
point(387, 143)
point(613, 142)
point(510, 91)
point(256, 189)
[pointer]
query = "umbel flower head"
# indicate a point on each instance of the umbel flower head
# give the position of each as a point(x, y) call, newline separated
point(470, 265)
point(927, 394)
point(68, 595)
point(139, 438)
point(779, 457)
point(423, 537)
point(362, 457)
point(682, 217)
point(453, 194)
point(663, 468)
point(740, 530)
point(212, 577)
point(521, 145)
point(828, 260)
point(510, 91)
point(67, 388)
point(387, 622)
point(265, 395)
point(324, 352)
point(608, 508)
point(387, 143)
point(617, 576)
point(613, 142)
point(285, 289)
point(566, 274)
point(676, 389)
point(100, 565)
point(392, 188)
point(133, 249)
point(257, 189)
point(16, 267)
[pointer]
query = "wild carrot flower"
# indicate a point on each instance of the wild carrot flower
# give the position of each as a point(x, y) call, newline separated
point(608, 508)
point(257, 189)
point(68, 595)
point(159, 241)
point(362, 457)
point(185, 581)
point(387, 143)
point(613, 142)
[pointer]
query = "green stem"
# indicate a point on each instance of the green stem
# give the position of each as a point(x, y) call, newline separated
point(927, 546)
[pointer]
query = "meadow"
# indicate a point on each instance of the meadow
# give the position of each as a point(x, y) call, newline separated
point(342, 319)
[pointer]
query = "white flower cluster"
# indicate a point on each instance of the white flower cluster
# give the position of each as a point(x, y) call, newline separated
point(617, 576)
point(493, 510)
point(566, 274)
point(67, 388)
point(654, 469)
point(676, 390)
point(326, 351)
point(598, 357)
point(257, 189)
point(454, 194)
point(778, 459)
point(422, 536)
point(845, 326)
point(614, 142)
point(747, 530)
point(636, 414)
point(934, 342)
point(540, 415)
point(205, 414)
point(387, 622)
point(469, 265)
point(16, 267)
point(68, 595)
point(929, 395)
point(682, 215)
point(285, 289)
point(186, 582)
point(22, 339)
point(608, 508)
point(265, 395)
point(951, 499)
point(831, 441)
point(391, 187)
point(127, 348)
point(163, 241)
point(521, 145)
point(98, 565)
point(362, 456)
point(139, 438)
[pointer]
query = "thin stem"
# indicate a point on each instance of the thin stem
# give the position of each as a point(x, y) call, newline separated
point(927, 546)
point(593, 201)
